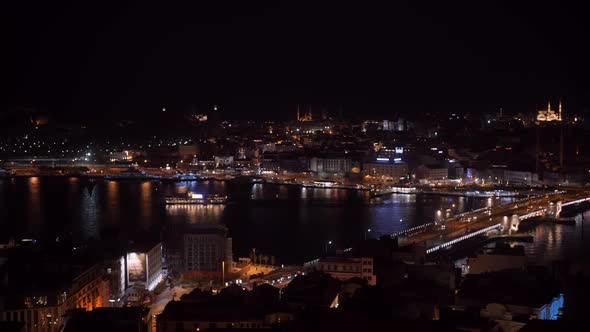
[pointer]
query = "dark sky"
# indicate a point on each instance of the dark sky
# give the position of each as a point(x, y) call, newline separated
point(97, 60)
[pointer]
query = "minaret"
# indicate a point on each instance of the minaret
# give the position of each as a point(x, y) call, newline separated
point(298, 118)
point(559, 109)
point(548, 106)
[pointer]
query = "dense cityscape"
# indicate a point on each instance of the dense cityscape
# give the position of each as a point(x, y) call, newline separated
point(505, 160)
point(207, 211)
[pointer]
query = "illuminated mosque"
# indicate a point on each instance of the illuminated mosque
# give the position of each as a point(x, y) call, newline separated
point(549, 114)
point(305, 117)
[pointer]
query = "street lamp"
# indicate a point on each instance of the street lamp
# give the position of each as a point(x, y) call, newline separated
point(326, 246)
point(367, 231)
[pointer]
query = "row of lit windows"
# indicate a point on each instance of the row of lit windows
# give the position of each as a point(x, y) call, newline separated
point(349, 268)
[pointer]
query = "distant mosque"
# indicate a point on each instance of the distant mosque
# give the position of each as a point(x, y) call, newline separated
point(549, 114)
point(304, 118)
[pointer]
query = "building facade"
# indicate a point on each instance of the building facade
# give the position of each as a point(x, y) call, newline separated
point(207, 252)
point(388, 170)
point(432, 173)
point(143, 267)
point(42, 310)
point(520, 177)
point(330, 165)
point(344, 268)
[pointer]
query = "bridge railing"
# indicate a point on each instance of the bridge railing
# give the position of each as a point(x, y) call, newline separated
point(533, 214)
point(462, 238)
point(460, 215)
point(587, 199)
point(413, 229)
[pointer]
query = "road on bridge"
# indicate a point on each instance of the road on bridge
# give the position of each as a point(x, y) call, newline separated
point(454, 227)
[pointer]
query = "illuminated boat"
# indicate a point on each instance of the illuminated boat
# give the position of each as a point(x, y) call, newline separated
point(321, 184)
point(392, 190)
point(188, 177)
point(132, 175)
point(198, 199)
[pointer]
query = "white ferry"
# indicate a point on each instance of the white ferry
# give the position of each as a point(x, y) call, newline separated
point(322, 184)
point(198, 199)
point(392, 190)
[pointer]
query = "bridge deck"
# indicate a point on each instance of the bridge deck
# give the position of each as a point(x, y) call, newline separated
point(455, 229)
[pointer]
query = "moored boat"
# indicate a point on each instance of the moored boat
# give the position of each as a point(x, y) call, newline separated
point(132, 174)
point(198, 199)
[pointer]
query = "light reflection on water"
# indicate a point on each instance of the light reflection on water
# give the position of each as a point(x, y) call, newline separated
point(34, 203)
point(146, 203)
point(112, 202)
point(89, 214)
point(194, 214)
point(290, 222)
point(557, 241)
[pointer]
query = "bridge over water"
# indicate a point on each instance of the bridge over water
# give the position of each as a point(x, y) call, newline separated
point(504, 218)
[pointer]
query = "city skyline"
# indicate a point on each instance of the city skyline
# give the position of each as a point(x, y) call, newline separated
point(294, 167)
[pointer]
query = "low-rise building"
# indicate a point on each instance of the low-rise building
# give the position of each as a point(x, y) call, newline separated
point(232, 308)
point(511, 296)
point(500, 258)
point(513, 177)
point(432, 173)
point(344, 268)
point(40, 298)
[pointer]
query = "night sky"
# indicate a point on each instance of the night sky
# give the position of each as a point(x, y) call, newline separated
point(86, 61)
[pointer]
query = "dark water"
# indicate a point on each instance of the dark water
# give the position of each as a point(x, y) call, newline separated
point(554, 241)
point(289, 222)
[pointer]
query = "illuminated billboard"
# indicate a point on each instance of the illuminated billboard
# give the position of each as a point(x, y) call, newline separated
point(136, 268)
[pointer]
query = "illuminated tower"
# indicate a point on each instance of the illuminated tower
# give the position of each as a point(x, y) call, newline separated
point(298, 117)
point(559, 110)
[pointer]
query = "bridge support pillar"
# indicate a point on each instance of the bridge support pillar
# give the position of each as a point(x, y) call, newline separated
point(514, 223)
point(554, 209)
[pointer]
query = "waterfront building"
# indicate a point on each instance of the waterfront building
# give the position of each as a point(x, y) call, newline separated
point(387, 168)
point(515, 177)
point(330, 165)
point(188, 152)
point(221, 161)
point(432, 173)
